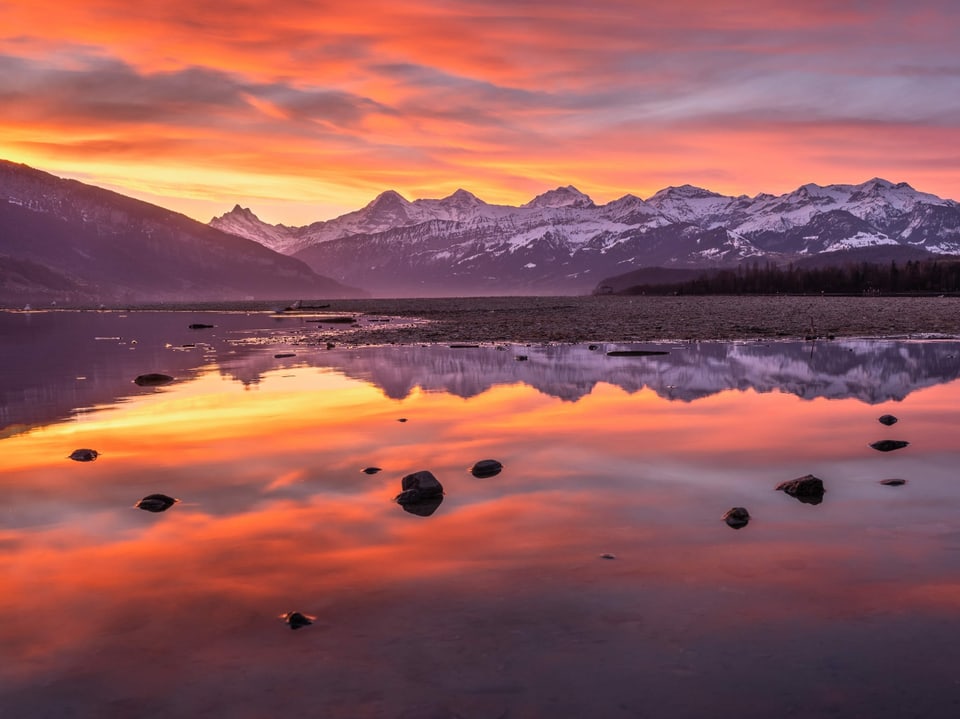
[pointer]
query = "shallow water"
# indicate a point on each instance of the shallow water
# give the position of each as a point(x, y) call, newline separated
point(499, 603)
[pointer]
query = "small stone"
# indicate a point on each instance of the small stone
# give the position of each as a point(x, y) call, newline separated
point(593, 348)
point(737, 517)
point(402, 419)
point(889, 445)
point(486, 468)
point(370, 470)
point(893, 482)
point(284, 355)
point(84, 455)
point(296, 620)
point(808, 489)
point(887, 419)
point(521, 358)
point(200, 326)
point(607, 555)
point(330, 345)
point(156, 503)
point(152, 379)
point(418, 487)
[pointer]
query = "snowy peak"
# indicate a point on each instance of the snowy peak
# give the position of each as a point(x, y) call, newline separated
point(242, 222)
point(683, 192)
point(568, 196)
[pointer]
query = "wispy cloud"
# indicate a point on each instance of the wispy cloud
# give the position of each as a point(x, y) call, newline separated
point(342, 100)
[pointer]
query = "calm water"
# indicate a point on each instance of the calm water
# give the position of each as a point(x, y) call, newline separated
point(498, 604)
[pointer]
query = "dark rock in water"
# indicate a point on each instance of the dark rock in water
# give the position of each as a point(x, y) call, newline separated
point(464, 347)
point(84, 455)
point(296, 620)
point(370, 470)
point(893, 482)
point(156, 503)
point(607, 555)
point(888, 445)
point(200, 326)
point(593, 348)
point(330, 345)
point(737, 517)
point(486, 468)
point(284, 355)
point(336, 320)
point(423, 508)
point(419, 487)
point(402, 419)
point(521, 358)
point(153, 379)
point(887, 419)
point(635, 353)
point(807, 489)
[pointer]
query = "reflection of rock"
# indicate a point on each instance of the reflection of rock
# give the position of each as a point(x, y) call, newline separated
point(425, 507)
point(84, 455)
point(737, 517)
point(893, 482)
point(156, 503)
point(419, 487)
point(887, 419)
point(486, 468)
point(807, 489)
point(153, 379)
point(889, 445)
point(296, 620)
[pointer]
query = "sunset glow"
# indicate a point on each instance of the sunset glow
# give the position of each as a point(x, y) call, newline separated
point(306, 110)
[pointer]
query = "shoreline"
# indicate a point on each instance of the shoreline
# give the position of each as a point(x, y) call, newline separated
point(611, 319)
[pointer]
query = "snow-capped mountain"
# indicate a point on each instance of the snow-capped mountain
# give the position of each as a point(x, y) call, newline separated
point(562, 241)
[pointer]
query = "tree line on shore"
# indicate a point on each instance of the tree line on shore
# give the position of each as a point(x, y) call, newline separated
point(911, 277)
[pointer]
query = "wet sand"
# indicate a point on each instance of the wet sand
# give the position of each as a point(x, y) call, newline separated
point(647, 319)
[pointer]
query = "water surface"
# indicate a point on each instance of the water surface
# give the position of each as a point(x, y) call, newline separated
point(499, 603)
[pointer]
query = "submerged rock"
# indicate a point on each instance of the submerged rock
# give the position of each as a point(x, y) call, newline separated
point(370, 470)
point(153, 379)
point(807, 489)
point(635, 353)
point(737, 517)
point(419, 487)
point(200, 326)
point(486, 468)
point(284, 355)
point(521, 358)
point(423, 508)
point(156, 503)
point(893, 482)
point(607, 555)
point(296, 620)
point(887, 419)
point(888, 445)
point(84, 455)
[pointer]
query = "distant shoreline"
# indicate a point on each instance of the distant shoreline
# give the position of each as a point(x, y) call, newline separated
point(641, 318)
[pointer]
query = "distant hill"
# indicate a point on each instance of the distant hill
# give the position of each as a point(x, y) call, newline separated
point(67, 242)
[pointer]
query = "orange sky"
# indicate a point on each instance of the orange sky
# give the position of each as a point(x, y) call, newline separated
point(303, 110)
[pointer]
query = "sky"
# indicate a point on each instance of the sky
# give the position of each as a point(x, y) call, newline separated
point(305, 109)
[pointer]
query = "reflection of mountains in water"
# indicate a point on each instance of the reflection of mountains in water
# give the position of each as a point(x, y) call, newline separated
point(872, 371)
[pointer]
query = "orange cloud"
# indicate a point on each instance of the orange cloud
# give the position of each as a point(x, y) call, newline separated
point(311, 109)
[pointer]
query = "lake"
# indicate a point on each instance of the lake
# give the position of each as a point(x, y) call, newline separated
point(592, 577)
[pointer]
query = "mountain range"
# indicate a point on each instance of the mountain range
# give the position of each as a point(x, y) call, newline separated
point(68, 242)
point(563, 242)
point(62, 240)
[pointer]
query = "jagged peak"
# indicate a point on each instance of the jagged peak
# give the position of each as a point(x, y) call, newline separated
point(388, 198)
point(568, 196)
point(461, 196)
point(685, 192)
